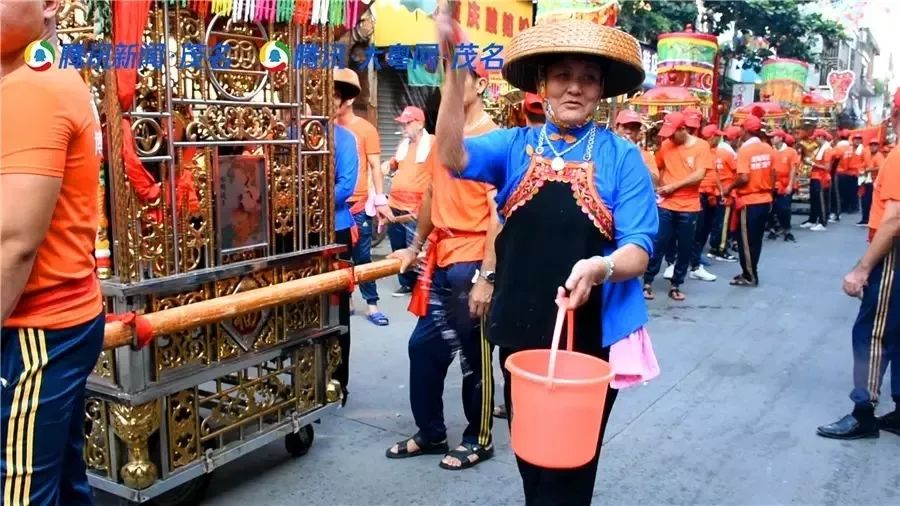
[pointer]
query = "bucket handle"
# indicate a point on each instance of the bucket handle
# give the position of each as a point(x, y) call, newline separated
point(557, 332)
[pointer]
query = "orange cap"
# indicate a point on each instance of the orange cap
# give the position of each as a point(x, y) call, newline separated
point(752, 124)
point(411, 113)
point(733, 132)
point(627, 116)
point(672, 122)
point(710, 131)
point(534, 104)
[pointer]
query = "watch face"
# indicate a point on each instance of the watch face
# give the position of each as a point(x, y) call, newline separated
point(489, 277)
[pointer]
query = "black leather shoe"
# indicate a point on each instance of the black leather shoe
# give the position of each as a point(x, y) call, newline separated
point(849, 427)
point(789, 237)
point(890, 422)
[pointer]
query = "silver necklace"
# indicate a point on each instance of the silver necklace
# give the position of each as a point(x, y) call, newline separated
point(558, 164)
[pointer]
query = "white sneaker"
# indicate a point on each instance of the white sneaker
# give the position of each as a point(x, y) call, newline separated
point(819, 228)
point(832, 217)
point(807, 224)
point(669, 272)
point(702, 274)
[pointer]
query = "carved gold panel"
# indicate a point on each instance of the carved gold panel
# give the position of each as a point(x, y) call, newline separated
point(182, 348)
point(183, 427)
point(96, 443)
point(251, 331)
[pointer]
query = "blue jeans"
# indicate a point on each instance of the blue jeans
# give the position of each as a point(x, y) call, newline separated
point(448, 329)
point(43, 411)
point(362, 254)
point(402, 236)
point(672, 225)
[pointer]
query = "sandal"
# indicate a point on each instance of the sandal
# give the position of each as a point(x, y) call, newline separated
point(648, 292)
point(675, 294)
point(378, 319)
point(742, 281)
point(483, 453)
point(425, 448)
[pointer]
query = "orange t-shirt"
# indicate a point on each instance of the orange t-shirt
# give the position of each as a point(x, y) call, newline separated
point(710, 183)
point(877, 163)
point(676, 163)
point(887, 187)
point(821, 168)
point(853, 164)
point(726, 164)
point(756, 159)
point(460, 209)
point(840, 153)
point(367, 143)
point(49, 126)
point(785, 160)
point(409, 183)
point(650, 162)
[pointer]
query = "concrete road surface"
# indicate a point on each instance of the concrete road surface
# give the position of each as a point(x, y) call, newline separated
point(747, 376)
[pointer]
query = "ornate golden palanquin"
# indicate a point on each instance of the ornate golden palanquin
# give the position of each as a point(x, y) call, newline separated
point(253, 206)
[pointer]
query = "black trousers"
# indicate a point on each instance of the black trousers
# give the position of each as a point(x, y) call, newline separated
point(848, 185)
point(342, 373)
point(866, 202)
point(752, 229)
point(834, 197)
point(559, 487)
point(705, 222)
point(782, 211)
point(818, 212)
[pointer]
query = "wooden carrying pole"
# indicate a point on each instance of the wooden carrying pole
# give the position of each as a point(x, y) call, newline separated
point(222, 308)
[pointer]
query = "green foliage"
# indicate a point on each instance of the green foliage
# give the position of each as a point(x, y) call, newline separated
point(661, 17)
point(781, 22)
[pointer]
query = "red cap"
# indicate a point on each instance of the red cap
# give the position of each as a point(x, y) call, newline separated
point(752, 124)
point(733, 132)
point(627, 116)
point(789, 139)
point(411, 113)
point(778, 133)
point(858, 135)
point(843, 134)
point(672, 122)
point(693, 117)
point(874, 140)
point(710, 131)
point(534, 104)
point(820, 132)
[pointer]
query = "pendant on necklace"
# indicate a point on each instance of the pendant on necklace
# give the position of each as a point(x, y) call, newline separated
point(557, 164)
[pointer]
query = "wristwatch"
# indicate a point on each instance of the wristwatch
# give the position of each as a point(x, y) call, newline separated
point(486, 275)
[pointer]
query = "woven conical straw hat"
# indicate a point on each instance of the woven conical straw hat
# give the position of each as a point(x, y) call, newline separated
point(535, 46)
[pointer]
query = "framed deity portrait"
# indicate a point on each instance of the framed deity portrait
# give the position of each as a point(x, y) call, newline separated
point(242, 203)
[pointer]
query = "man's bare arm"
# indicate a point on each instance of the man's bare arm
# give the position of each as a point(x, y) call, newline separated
point(23, 226)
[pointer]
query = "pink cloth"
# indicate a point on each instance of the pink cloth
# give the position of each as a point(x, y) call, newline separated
point(632, 360)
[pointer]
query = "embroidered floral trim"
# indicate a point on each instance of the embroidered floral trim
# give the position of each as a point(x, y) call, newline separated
point(579, 175)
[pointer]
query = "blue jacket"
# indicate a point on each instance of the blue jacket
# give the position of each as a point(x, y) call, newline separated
point(623, 183)
point(346, 171)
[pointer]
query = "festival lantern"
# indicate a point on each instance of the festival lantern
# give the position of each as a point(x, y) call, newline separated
point(783, 81)
point(688, 60)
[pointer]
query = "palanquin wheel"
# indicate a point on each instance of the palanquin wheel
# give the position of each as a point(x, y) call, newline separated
point(299, 443)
